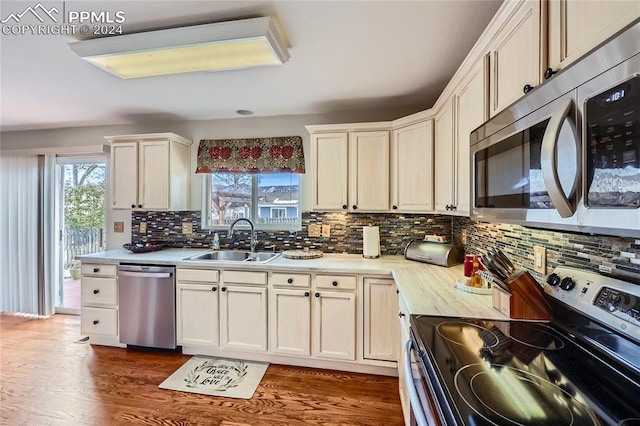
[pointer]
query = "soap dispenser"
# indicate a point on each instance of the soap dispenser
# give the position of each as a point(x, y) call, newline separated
point(215, 244)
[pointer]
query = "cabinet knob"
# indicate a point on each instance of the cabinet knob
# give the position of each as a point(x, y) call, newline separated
point(306, 294)
point(317, 295)
point(139, 206)
point(335, 283)
point(96, 322)
point(527, 88)
point(133, 206)
point(290, 280)
point(344, 206)
point(448, 207)
point(354, 207)
point(213, 288)
point(400, 315)
point(548, 73)
point(394, 207)
point(96, 291)
point(96, 270)
point(453, 207)
point(223, 289)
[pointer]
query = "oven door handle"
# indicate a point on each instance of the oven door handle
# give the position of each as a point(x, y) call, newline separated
point(416, 405)
point(549, 160)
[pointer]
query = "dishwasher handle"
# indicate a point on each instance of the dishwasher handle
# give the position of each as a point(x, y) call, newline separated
point(145, 274)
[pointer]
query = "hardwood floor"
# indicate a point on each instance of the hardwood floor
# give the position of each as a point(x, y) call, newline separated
point(48, 378)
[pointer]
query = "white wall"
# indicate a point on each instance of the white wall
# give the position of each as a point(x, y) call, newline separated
point(62, 141)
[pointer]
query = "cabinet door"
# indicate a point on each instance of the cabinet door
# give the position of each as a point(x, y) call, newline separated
point(197, 314)
point(243, 317)
point(369, 171)
point(153, 175)
point(443, 161)
point(412, 168)
point(380, 323)
point(124, 175)
point(334, 325)
point(575, 27)
point(515, 58)
point(330, 180)
point(290, 316)
point(470, 112)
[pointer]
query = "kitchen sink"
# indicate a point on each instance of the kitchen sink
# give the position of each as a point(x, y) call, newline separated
point(235, 256)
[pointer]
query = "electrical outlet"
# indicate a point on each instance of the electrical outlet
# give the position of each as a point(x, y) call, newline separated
point(118, 226)
point(143, 227)
point(187, 228)
point(326, 230)
point(314, 230)
point(540, 259)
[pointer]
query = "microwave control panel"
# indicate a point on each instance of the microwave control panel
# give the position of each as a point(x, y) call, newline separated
point(612, 136)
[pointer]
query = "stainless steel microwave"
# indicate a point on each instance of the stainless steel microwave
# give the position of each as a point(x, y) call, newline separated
point(567, 155)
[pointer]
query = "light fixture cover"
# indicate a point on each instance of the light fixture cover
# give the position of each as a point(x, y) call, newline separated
point(209, 47)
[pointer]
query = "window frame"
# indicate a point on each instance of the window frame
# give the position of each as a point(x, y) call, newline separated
point(206, 209)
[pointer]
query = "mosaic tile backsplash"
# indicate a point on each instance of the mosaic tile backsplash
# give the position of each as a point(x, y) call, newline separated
point(621, 255)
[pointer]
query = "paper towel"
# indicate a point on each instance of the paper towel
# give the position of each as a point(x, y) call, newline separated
point(370, 241)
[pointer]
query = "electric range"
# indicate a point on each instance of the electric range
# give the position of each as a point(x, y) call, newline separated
point(581, 368)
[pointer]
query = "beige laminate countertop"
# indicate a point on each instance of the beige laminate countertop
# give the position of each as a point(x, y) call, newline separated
point(425, 289)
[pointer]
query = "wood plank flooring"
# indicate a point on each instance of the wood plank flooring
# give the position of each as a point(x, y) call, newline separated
point(48, 378)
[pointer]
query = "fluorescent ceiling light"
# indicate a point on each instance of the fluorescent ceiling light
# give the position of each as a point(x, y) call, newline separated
point(209, 47)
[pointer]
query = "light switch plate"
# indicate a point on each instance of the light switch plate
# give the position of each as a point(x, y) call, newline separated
point(314, 230)
point(187, 228)
point(143, 227)
point(540, 259)
point(118, 226)
point(326, 230)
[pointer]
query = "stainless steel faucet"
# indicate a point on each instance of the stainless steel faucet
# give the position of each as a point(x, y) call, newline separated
point(254, 238)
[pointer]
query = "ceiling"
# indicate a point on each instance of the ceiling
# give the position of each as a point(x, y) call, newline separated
point(345, 56)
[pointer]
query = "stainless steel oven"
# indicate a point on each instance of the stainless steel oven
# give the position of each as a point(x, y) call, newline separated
point(567, 155)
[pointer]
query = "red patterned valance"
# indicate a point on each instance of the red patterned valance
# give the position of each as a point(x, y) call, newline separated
point(259, 155)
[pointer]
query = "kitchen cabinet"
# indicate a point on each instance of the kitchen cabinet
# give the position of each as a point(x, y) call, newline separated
point(99, 303)
point(150, 171)
point(350, 169)
point(334, 317)
point(412, 168)
point(443, 159)
point(290, 314)
point(243, 311)
point(515, 56)
point(381, 339)
point(576, 27)
point(197, 307)
point(404, 335)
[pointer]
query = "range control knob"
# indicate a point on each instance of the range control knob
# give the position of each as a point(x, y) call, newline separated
point(553, 280)
point(567, 283)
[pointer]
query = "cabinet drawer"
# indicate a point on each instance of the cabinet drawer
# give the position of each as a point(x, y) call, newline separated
point(202, 275)
point(340, 282)
point(99, 291)
point(98, 270)
point(244, 277)
point(290, 280)
point(99, 321)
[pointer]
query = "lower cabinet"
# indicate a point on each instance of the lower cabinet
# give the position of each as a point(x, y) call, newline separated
point(334, 324)
point(290, 315)
point(197, 307)
point(403, 329)
point(243, 311)
point(99, 303)
point(380, 312)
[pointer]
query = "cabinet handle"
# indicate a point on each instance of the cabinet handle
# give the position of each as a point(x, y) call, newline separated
point(344, 206)
point(133, 206)
point(400, 315)
point(354, 207)
point(96, 291)
point(397, 291)
point(223, 289)
point(453, 207)
point(96, 270)
point(139, 206)
point(96, 322)
point(290, 280)
point(335, 283)
point(448, 207)
point(306, 294)
point(317, 295)
point(527, 88)
point(213, 288)
point(395, 207)
point(548, 73)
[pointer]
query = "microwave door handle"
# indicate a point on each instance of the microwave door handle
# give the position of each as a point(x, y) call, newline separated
point(416, 405)
point(549, 160)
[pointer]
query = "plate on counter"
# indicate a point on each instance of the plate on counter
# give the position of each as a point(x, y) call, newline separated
point(143, 248)
point(475, 290)
point(301, 254)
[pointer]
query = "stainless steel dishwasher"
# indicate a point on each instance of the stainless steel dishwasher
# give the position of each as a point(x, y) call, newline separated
point(147, 306)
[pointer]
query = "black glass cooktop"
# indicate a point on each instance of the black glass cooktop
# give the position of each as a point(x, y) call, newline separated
point(524, 373)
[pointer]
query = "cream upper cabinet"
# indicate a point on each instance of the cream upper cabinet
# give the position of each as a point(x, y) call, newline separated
point(470, 111)
point(443, 162)
point(381, 340)
point(150, 171)
point(412, 168)
point(350, 168)
point(515, 56)
point(575, 27)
